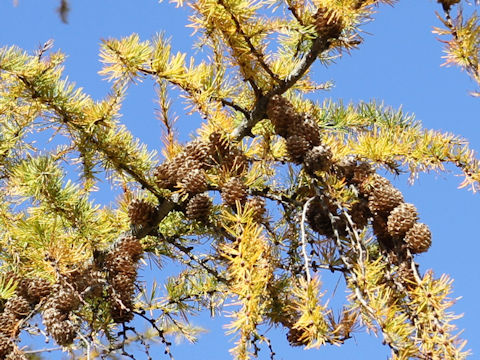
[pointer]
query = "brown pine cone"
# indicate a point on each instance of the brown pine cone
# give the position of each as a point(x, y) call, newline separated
point(119, 313)
point(63, 332)
point(121, 263)
point(318, 159)
point(373, 182)
point(18, 306)
point(361, 172)
point(384, 199)
point(360, 213)
point(345, 168)
point(318, 218)
point(51, 315)
point(418, 238)
point(194, 182)
point(402, 219)
point(8, 322)
point(124, 285)
point(380, 230)
point(198, 207)
point(6, 345)
point(327, 24)
point(187, 166)
point(16, 354)
point(64, 298)
point(294, 337)
point(297, 147)
point(131, 246)
point(446, 4)
point(20, 282)
point(38, 288)
point(282, 114)
point(257, 204)
point(165, 175)
point(219, 145)
point(406, 276)
point(199, 151)
point(307, 128)
point(235, 161)
point(140, 212)
point(89, 281)
point(234, 190)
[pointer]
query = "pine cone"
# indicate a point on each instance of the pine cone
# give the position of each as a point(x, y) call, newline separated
point(65, 298)
point(89, 282)
point(294, 337)
point(18, 306)
point(235, 161)
point(318, 218)
point(257, 204)
point(165, 175)
point(194, 182)
point(318, 159)
point(186, 167)
point(51, 315)
point(21, 282)
point(16, 354)
point(307, 128)
point(122, 263)
point(63, 332)
point(297, 147)
point(131, 246)
point(282, 114)
point(418, 238)
point(8, 322)
point(360, 213)
point(199, 207)
point(327, 24)
point(199, 151)
point(6, 344)
point(362, 171)
point(384, 199)
point(373, 182)
point(140, 212)
point(345, 168)
point(234, 190)
point(380, 229)
point(401, 219)
point(38, 288)
point(406, 276)
point(124, 285)
point(446, 4)
point(219, 146)
point(119, 313)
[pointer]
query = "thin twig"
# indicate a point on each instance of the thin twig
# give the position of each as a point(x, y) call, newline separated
point(42, 350)
point(87, 343)
point(160, 332)
point(304, 244)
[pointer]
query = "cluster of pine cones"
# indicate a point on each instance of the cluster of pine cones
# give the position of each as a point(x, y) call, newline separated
point(18, 307)
point(188, 171)
point(60, 300)
point(121, 266)
point(394, 221)
point(301, 133)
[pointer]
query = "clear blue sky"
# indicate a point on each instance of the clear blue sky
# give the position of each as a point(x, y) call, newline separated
point(398, 63)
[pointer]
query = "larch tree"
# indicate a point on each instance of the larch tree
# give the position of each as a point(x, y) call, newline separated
point(275, 189)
